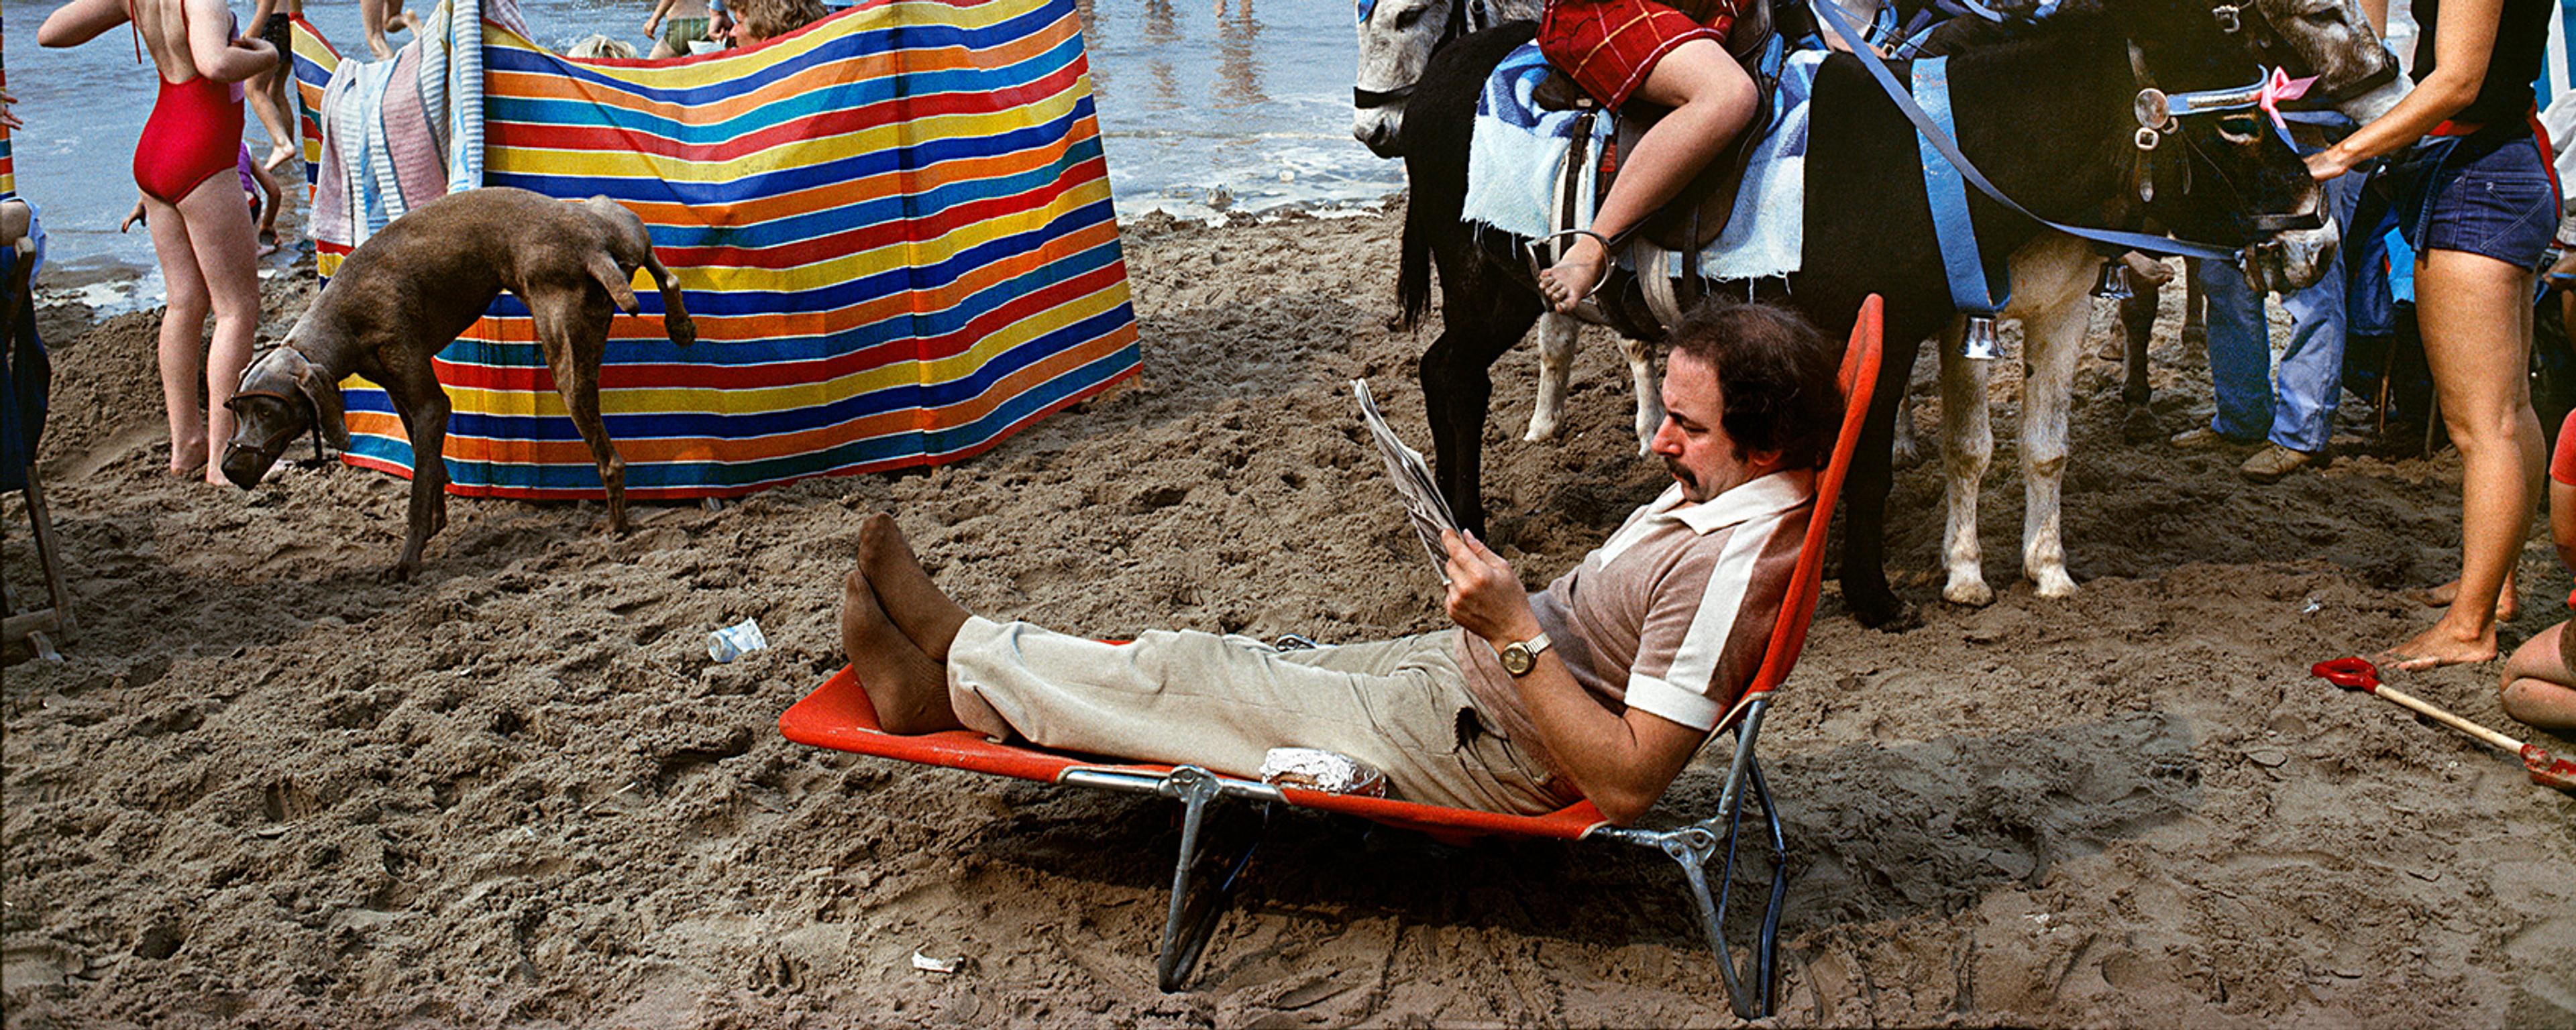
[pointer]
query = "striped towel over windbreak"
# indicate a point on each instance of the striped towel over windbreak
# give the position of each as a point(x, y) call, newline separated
point(893, 227)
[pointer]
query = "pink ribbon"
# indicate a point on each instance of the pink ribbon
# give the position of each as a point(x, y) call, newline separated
point(2278, 88)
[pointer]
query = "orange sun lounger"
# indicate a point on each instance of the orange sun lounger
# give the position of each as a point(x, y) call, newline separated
point(837, 715)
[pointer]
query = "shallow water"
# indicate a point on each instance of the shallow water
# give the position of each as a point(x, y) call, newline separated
point(1207, 105)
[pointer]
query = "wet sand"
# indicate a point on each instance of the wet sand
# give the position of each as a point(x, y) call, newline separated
point(267, 788)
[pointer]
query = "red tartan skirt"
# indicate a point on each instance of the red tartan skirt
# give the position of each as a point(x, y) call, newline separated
point(1608, 46)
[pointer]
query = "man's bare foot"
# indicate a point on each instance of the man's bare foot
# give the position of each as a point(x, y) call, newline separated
point(904, 589)
point(2439, 646)
point(1574, 276)
point(278, 156)
point(384, 51)
point(908, 690)
point(2442, 596)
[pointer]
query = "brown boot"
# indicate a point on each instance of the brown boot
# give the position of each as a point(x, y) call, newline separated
point(2275, 461)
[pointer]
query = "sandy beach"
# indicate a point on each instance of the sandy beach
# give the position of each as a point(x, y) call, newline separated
point(267, 788)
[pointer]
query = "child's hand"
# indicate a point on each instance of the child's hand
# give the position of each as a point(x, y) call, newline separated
point(133, 216)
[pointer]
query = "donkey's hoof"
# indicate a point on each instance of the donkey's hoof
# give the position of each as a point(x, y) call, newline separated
point(1893, 615)
point(2140, 426)
point(2053, 583)
point(1968, 590)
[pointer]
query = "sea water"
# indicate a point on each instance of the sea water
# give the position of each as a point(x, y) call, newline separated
point(1209, 108)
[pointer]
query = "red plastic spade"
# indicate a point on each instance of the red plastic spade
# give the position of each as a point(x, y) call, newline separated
point(2358, 674)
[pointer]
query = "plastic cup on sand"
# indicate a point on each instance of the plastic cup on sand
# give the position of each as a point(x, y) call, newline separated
point(735, 641)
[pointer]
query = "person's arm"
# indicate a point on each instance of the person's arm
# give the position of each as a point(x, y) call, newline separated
point(79, 21)
point(2466, 32)
point(218, 56)
point(654, 20)
point(258, 21)
point(1622, 762)
point(2377, 12)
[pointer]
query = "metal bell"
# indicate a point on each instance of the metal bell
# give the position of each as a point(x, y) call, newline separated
point(1980, 342)
point(2113, 284)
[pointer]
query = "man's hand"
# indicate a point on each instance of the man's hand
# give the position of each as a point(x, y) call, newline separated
point(1485, 596)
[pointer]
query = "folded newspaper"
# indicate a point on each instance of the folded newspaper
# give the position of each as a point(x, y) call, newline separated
point(1413, 484)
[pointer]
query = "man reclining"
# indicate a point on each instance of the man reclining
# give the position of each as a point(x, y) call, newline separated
point(1602, 686)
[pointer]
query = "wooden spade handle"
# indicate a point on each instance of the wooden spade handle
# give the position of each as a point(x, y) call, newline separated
point(2434, 712)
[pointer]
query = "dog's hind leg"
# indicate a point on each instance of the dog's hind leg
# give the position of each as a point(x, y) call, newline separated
point(675, 312)
point(605, 269)
point(573, 328)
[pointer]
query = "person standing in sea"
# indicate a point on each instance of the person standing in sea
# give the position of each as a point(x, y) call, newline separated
point(201, 229)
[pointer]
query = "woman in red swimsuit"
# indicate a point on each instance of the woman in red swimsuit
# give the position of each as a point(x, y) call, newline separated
point(200, 228)
point(1618, 49)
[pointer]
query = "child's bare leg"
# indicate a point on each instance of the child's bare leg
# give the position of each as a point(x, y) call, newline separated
point(267, 94)
point(218, 228)
point(2539, 683)
point(182, 320)
point(378, 16)
point(915, 604)
point(907, 688)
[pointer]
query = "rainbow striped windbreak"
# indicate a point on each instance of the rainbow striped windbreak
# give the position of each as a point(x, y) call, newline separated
point(893, 227)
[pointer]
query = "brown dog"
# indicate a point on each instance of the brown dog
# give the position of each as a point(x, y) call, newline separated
point(406, 293)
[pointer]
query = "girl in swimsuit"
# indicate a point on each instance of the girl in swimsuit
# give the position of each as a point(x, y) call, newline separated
point(201, 230)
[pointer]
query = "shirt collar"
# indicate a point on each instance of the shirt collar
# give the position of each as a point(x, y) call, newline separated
point(1774, 494)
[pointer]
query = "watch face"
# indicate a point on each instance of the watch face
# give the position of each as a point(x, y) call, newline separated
point(1516, 660)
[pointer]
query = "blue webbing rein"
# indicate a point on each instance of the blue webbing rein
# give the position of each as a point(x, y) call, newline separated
point(1935, 138)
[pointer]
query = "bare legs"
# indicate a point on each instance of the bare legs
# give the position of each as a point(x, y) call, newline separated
point(205, 245)
point(379, 16)
point(267, 94)
point(2539, 685)
point(1712, 100)
point(896, 628)
point(2476, 316)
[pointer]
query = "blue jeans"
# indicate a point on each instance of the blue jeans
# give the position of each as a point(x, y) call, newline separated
point(2296, 405)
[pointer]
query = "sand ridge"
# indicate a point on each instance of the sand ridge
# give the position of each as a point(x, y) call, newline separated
point(269, 789)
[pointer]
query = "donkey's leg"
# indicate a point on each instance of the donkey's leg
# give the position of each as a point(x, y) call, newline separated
point(1479, 321)
point(1907, 451)
point(1967, 447)
point(1555, 362)
point(1650, 390)
point(1864, 576)
point(2051, 338)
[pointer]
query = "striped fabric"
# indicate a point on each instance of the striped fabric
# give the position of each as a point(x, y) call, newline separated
point(8, 166)
point(893, 227)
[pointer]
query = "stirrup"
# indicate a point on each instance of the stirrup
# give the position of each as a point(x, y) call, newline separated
point(1609, 258)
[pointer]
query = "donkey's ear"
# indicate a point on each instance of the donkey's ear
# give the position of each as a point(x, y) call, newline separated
point(328, 413)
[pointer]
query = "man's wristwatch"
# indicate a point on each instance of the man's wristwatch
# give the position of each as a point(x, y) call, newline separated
point(1520, 658)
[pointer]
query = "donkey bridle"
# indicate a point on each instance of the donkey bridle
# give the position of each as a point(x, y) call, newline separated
point(2161, 114)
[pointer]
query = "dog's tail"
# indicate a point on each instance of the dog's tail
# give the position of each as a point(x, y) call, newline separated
point(604, 269)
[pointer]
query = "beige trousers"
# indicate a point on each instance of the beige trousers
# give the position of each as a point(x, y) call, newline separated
point(1222, 702)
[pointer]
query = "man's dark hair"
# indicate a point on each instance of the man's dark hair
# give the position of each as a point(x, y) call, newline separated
point(1779, 380)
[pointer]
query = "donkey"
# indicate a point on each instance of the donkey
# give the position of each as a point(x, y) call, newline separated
point(2048, 112)
point(2329, 38)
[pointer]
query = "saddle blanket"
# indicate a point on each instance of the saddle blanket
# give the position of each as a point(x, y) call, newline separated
point(1517, 149)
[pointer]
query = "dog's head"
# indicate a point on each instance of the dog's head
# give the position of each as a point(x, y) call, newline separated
point(280, 397)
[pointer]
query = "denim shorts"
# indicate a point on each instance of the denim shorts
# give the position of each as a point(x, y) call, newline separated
point(2488, 194)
